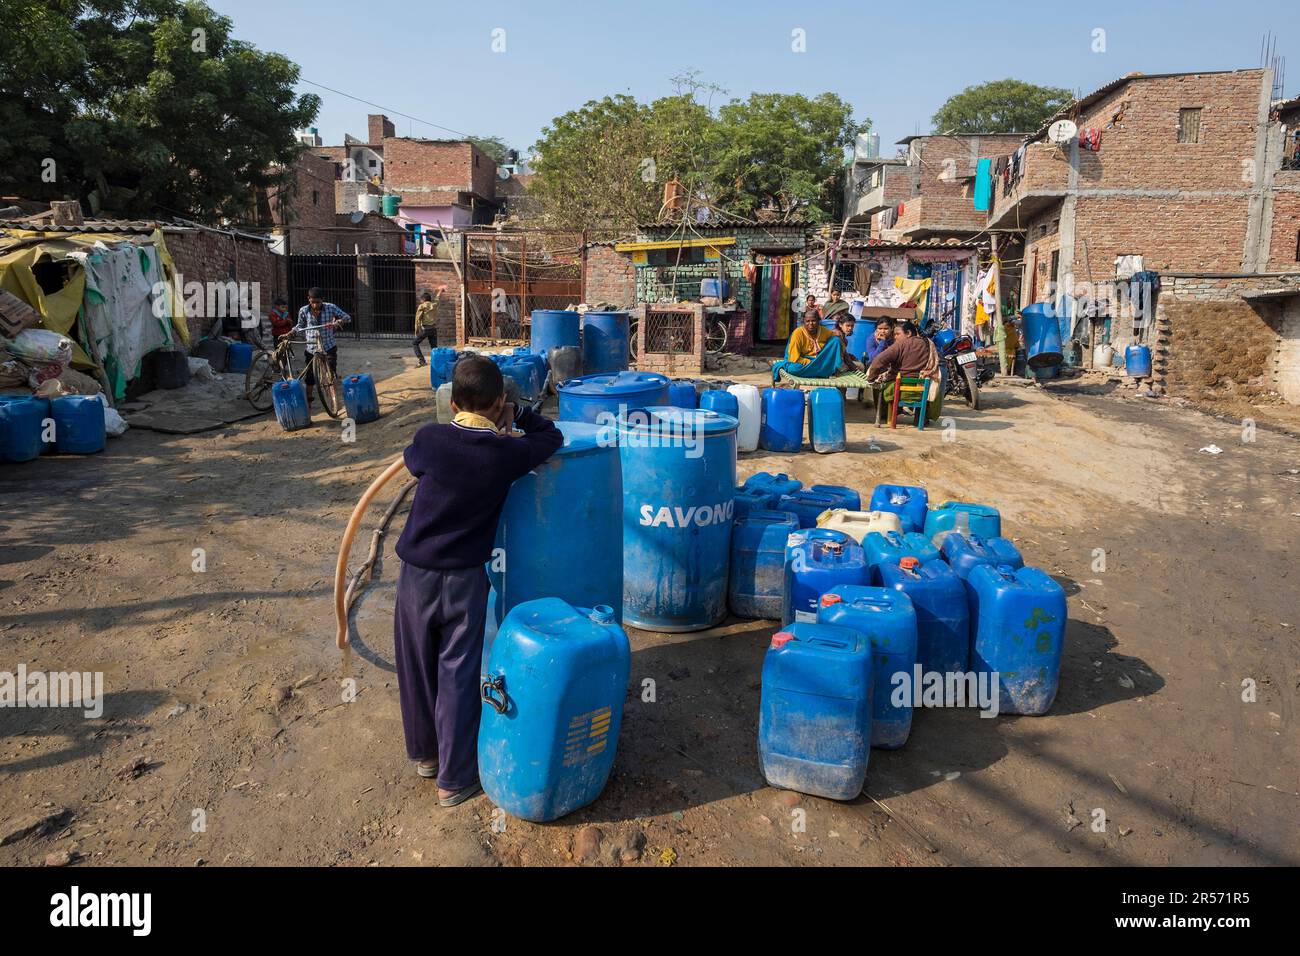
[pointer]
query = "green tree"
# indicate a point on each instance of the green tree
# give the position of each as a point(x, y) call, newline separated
point(494, 146)
point(1000, 106)
point(145, 107)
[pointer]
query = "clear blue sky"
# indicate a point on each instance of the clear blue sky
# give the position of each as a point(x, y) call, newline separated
point(896, 62)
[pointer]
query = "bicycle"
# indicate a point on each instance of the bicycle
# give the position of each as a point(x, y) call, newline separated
point(276, 365)
point(715, 336)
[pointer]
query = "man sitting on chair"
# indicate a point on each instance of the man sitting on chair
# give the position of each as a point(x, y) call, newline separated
point(913, 356)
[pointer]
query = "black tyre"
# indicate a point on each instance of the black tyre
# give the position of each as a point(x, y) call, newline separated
point(972, 387)
point(260, 379)
point(715, 337)
point(329, 388)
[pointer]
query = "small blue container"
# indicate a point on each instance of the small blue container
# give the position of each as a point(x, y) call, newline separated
point(552, 695)
point(826, 432)
point(886, 619)
point(46, 412)
point(721, 401)
point(849, 499)
point(360, 398)
point(756, 587)
point(749, 500)
point(891, 547)
point(815, 707)
point(238, 357)
point(782, 422)
point(682, 394)
point(775, 485)
point(1018, 617)
point(807, 505)
point(21, 424)
point(1137, 361)
point(908, 502)
point(965, 551)
point(982, 520)
point(816, 565)
point(78, 425)
point(289, 398)
point(942, 619)
point(442, 362)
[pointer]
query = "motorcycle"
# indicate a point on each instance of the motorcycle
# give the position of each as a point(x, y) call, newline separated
point(966, 372)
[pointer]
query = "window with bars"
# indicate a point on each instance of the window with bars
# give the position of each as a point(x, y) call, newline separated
point(669, 330)
point(1189, 125)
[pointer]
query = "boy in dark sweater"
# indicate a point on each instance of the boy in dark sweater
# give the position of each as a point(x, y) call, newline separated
point(465, 471)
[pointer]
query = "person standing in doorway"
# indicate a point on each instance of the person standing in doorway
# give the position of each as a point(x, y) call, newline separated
point(426, 323)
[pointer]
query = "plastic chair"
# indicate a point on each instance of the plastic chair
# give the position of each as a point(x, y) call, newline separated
point(909, 393)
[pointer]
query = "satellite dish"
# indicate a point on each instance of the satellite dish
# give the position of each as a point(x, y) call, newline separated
point(503, 173)
point(357, 216)
point(1061, 132)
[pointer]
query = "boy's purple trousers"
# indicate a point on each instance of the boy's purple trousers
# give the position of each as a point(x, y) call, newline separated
point(438, 639)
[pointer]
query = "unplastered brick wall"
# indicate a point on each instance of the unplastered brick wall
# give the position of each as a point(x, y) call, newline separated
point(671, 363)
point(414, 167)
point(610, 278)
point(1284, 242)
point(209, 257)
point(429, 274)
point(939, 195)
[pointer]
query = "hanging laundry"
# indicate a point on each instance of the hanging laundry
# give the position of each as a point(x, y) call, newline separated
point(914, 293)
point(1090, 138)
point(983, 184)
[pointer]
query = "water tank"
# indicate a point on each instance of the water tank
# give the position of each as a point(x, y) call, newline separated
point(815, 565)
point(907, 501)
point(983, 520)
point(552, 328)
point(78, 424)
point(560, 526)
point(604, 342)
point(392, 204)
point(782, 423)
point(679, 479)
point(756, 585)
point(608, 396)
point(942, 620)
point(815, 705)
point(289, 399)
point(826, 432)
point(888, 619)
point(806, 505)
point(360, 398)
point(891, 547)
point(552, 693)
point(1018, 618)
point(682, 394)
point(720, 401)
point(750, 416)
point(1042, 335)
point(847, 498)
point(21, 423)
point(1137, 361)
point(858, 524)
point(370, 202)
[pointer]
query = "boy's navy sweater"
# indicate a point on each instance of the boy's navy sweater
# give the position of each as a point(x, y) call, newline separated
point(464, 476)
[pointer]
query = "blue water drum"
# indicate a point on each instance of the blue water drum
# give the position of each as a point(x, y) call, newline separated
point(806, 505)
point(682, 394)
point(679, 480)
point(782, 423)
point(826, 431)
point(887, 619)
point(606, 398)
point(554, 328)
point(1137, 361)
point(604, 342)
point(360, 398)
point(238, 357)
point(982, 520)
point(552, 695)
point(814, 716)
point(1042, 334)
point(720, 401)
point(289, 399)
point(756, 586)
point(21, 424)
point(751, 499)
point(863, 332)
point(78, 425)
point(891, 547)
point(775, 485)
point(942, 618)
point(816, 565)
point(908, 502)
point(562, 527)
point(1018, 618)
point(849, 499)
point(442, 363)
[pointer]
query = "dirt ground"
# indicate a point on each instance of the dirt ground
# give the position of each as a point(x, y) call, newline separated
point(226, 738)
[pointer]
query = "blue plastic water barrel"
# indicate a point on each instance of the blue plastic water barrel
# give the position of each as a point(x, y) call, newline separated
point(942, 619)
point(814, 716)
point(720, 401)
point(806, 504)
point(752, 499)
point(908, 502)
point(552, 695)
point(442, 363)
point(983, 520)
point(21, 424)
point(360, 398)
point(78, 425)
point(1137, 361)
point(604, 342)
point(554, 328)
point(1018, 618)
point(891, 547)
point(782, 427)
point(848, 498)
point(756, 584)
point(774, 484)
point(238, 357)
point(682, 394)
point(965, 551)
point(1042, 335)
point(679, 480)
point(826, 431)
point(604, 398)
point(560, 526)
point(817, 564)
point(888, 620)
point(864, 330)
point(289, 399)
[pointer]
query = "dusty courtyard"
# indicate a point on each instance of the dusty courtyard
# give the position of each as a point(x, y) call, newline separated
point(226, 737)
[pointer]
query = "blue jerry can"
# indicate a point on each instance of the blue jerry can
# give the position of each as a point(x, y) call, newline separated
point(756, 585)
point(360, 398)
point(850, 500)
point(289, 397)
point(965, 551)
point(1018, 620)
point(980, 519)
point(552, 706)
point(906, 501)
point(816, 562)
point(890, 547)
point(942, 620)
point(752, 499)
point(806, 505)
point(814, 719)
point(886, 619)
point(826, 431)
point(775, 485)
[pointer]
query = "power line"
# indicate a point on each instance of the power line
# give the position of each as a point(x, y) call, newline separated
point(389, 109)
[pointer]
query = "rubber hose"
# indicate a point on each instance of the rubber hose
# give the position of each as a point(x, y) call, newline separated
point(341, 568)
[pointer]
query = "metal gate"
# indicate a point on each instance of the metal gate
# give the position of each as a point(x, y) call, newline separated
point(378, 291)
point(508, 274)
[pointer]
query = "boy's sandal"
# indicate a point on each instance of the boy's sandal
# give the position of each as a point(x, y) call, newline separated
point(461, 795)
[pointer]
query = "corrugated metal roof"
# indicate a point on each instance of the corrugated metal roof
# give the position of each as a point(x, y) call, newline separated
point(92, 225)
point(933, 243)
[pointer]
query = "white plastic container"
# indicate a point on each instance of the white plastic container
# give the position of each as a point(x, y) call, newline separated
point(858, 524)
point(443, 399)
point(1102, 355)
point(748, 398)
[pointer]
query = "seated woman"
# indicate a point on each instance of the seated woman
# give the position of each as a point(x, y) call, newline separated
point(911, 355)
point(813, 351)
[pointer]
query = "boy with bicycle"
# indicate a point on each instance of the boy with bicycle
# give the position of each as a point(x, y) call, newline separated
point(317, 319)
